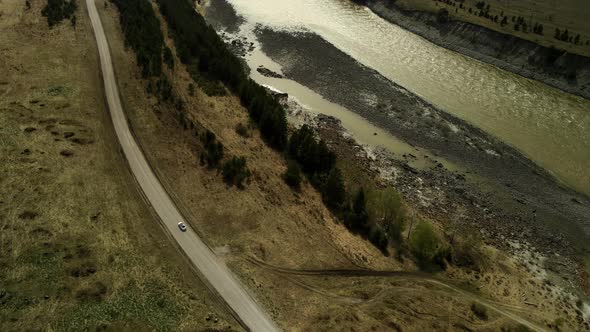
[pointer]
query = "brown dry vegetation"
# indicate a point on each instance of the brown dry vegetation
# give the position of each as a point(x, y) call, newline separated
point(79, 249)
point(271, 223)
point(568, 14)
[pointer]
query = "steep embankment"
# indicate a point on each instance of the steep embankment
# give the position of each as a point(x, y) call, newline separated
point(565, 71)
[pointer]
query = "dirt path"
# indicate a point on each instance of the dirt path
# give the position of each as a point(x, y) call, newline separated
point(503, 310)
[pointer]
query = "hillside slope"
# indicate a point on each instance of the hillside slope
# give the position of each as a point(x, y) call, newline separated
point(270, 235)
point(565, 70)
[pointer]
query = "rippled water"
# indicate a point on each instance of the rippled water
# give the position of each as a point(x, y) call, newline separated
point(549, 126)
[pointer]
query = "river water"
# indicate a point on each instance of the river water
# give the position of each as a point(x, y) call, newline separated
point(550, 127)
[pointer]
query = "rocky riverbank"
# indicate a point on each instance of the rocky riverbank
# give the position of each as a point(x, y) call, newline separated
point(495, 188)
point(562, 70)
point(451, 198)
point(510, 180)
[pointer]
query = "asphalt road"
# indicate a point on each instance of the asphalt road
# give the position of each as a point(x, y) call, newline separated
point(217, 275)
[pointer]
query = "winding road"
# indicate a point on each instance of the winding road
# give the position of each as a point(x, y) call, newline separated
point(218, 277)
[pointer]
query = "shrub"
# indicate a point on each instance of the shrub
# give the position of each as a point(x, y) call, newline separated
point(466, 251)
point(292, 175)
point(424, 243)
point(313, 155)
point(163, 88)
point(242, 130)
point(168, 57)
point(213, 149)
point(442, 16)
point(378, 239)
point(235, 171)
point(359, 218)
point(558, 323)
point(58, 10)
point(479, 310)
point(385, 207)
point(333, 191)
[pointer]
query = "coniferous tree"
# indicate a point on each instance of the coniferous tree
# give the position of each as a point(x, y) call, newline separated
point(360, 217)
point(334, 192)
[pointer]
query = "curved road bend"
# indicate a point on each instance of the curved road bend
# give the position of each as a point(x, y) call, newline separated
point(214, 271)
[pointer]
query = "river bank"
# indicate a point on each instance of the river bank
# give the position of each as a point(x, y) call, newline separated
point(512, 182)
point(565, 71)
point(461, 207)
point(505, 194)
point(450, 196)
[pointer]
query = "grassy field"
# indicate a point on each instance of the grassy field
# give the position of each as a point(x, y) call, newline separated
point(79, 248)
point(567, 14)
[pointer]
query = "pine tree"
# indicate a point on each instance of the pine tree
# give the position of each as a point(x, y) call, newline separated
point(359, 210)
point(334, 192)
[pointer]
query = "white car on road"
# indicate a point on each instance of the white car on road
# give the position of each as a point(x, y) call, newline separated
point(182, 226)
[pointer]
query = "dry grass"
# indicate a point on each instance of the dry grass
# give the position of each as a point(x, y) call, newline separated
point(568, 14)
point(80, 249)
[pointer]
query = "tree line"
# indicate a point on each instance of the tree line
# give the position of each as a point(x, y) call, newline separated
point(142, 33)
point(318, 163)
point(201, 49)
point(519, 23)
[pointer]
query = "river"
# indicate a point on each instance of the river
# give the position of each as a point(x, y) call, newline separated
point(550, 127)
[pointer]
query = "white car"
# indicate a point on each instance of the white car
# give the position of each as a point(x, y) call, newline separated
point(182, 226)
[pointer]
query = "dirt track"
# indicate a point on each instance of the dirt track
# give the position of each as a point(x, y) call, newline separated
point(504, 310)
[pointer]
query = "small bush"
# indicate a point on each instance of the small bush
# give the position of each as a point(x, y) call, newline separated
point(558, 323)
point(235, 172)
point(424, 243)
point(313, 155)
point(442, 256)
point(58, 10)
point(213, 149)
point(442, 16)
point(163, 88)
point(168, 57)
point(479, 310)
point(242, 130)
point(385, 207)
point(333, 192)
point(467, 251)
point(358, 219)
point(378, 239)
point(292, 175)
